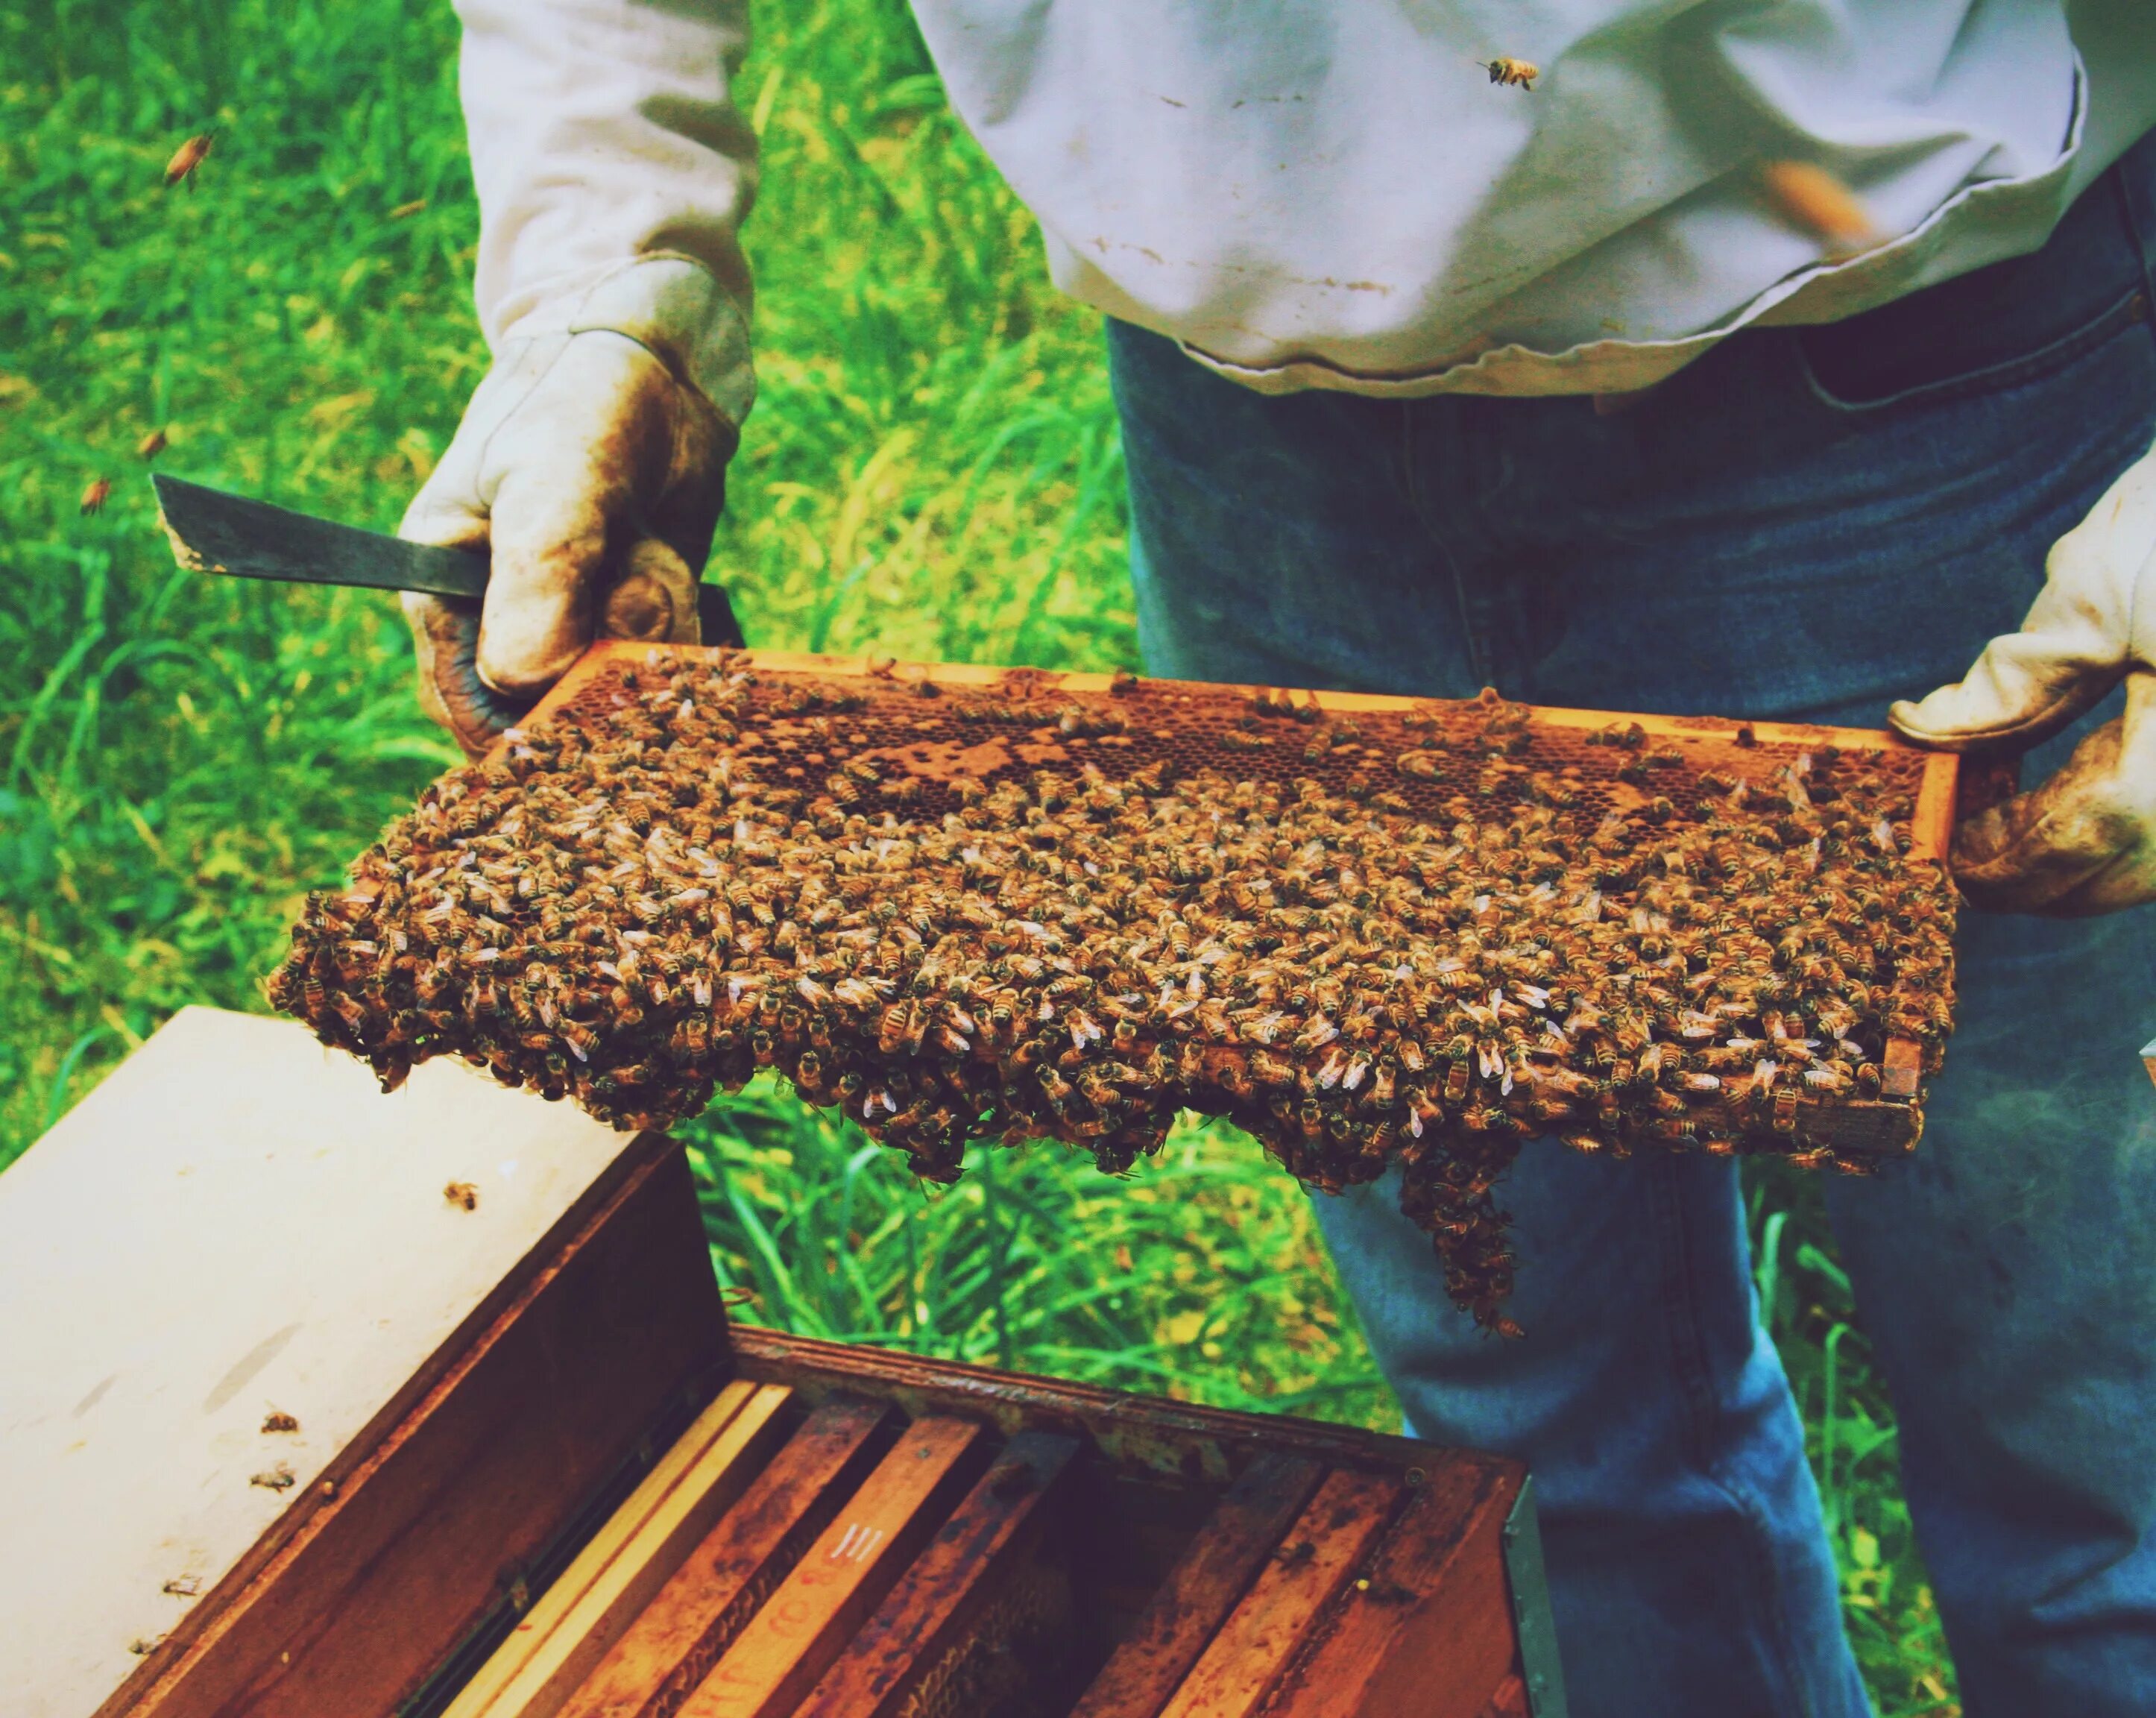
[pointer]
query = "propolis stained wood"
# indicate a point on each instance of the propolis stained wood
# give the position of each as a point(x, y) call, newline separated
point(985, 1614)
point(1424, 1625)
point(1329, 1577)
point(1247, 1527)
point(1297, 1585)
point(814, 1616)
point(701, 1610)
point(566, 1633)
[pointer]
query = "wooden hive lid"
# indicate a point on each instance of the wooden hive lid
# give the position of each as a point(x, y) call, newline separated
point(172, 1275)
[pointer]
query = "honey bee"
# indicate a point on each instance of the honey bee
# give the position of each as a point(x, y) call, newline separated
point(1807, 194)
point(277, 1420)
point(95, 495)
point(462, 1194)
point(151, 445)
point(280, 1478)
point(189, 156)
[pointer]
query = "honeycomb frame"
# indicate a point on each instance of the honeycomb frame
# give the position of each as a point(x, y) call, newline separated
point(1850, 1128)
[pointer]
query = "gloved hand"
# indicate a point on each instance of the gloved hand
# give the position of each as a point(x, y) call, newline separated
point(2085, 840)
point(594, 468)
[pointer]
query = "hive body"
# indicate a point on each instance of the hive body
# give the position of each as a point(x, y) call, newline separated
point(974, 907)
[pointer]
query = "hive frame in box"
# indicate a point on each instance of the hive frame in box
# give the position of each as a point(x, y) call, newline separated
point(1856, 1127)
point(1449, 1619)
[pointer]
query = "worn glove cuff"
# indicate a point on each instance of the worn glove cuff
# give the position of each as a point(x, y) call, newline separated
point(672, 306)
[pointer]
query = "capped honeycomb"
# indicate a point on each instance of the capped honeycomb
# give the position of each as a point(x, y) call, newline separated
point(973, 906)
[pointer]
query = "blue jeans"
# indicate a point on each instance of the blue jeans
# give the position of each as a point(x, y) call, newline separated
point(1805, 524)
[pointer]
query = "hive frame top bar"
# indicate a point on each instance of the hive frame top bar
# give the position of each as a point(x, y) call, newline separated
point(1931, 828)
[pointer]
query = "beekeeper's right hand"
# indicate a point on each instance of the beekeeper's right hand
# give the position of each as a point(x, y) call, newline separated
point(594, 469)
point(612, 171)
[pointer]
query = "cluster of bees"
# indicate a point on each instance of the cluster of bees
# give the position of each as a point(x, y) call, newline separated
point(1394, 941)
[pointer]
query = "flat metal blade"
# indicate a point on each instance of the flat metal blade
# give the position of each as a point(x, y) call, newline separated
point(213, 532)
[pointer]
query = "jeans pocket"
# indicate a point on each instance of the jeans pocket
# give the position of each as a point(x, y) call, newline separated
point(1856, 371)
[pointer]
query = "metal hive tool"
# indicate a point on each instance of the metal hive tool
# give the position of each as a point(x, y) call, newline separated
point(956, 973)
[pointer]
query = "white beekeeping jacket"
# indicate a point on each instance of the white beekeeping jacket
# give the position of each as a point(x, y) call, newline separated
point(1333, 193)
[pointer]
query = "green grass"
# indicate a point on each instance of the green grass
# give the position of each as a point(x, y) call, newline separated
point(932, 468)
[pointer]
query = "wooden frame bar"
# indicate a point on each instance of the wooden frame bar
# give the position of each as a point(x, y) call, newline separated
point(701, 1611)
point(1202, 1587)
point(790, 1642)
point(981, 1605)
point(1931, 831)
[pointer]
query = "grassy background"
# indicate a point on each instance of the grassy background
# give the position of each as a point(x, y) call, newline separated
point(933, 468)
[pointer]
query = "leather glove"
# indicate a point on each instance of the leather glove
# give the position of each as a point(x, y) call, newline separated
point(2084, 842)
point(594, 468)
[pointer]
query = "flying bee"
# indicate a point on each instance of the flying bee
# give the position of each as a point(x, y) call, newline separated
point(151, 445)
point(95, 495)
point(1813, 198)
point(189, 156)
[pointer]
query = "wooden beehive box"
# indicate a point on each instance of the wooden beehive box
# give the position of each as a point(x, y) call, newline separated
point(318, 1401)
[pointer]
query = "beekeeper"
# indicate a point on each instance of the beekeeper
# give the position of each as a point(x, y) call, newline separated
point(1434, 374)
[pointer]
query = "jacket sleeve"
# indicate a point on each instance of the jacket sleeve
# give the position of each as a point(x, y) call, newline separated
point(614, 172)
